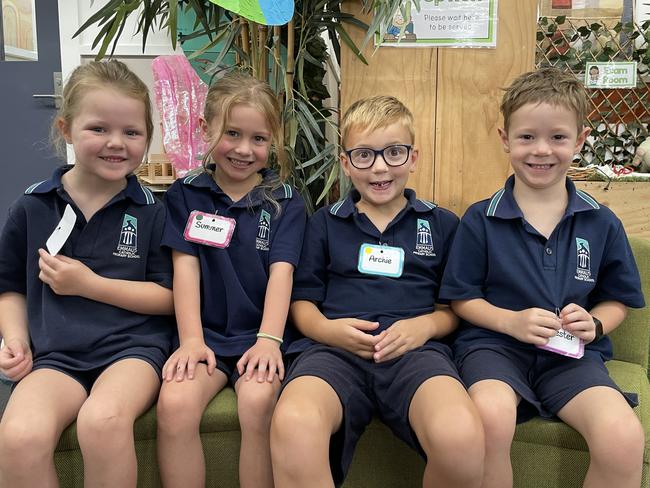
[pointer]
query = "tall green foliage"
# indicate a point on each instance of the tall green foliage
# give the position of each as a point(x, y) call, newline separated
point(290, 57)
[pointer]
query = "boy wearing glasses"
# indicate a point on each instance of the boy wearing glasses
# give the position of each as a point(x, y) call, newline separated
point(364, 297)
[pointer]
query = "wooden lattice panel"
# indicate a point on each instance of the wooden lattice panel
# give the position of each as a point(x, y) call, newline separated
point(618, 118)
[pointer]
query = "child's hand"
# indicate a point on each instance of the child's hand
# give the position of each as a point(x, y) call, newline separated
point(186, 357)
point(264, 355)
point(577, 321)
point(534, 326)
point(15, 359)
point(401, 337)
point(66, 276)
point(350, 334)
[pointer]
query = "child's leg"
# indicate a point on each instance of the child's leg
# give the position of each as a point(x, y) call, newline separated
point(613, 433)
point(497, 406)
point(41, 406)
point(180, 408)
point(307, 414)
point(255, 403)
point(449, 430)
point(121, 393)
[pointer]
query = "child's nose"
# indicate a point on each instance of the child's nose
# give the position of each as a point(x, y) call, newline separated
point(542, 147)
point(244, 147)
point(380, 164)
point(115, 140)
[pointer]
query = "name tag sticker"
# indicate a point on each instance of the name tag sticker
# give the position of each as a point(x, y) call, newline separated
point(62, 231)
point(565, 344)
point(381, 260)
point(209, 229)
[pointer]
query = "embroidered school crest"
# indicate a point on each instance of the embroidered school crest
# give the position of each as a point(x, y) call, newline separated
point(127, 246)
point(424, 239)
point(263, 231)
point(583, 260)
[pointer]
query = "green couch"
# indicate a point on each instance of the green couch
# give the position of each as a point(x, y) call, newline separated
point(540, 446)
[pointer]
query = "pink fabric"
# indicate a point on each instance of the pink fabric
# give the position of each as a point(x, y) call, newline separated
point(180, 96)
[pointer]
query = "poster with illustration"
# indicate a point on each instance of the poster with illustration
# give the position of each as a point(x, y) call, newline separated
point(18, 33)
point(442, 23)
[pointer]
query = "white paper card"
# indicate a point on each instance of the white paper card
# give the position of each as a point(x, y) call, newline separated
point(565, 344)
point(62, 231)
point(381, 260)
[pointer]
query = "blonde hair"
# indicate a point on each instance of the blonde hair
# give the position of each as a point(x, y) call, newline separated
point(546, 85)
point(240, 88)
point(372, 113)
point(97, 74)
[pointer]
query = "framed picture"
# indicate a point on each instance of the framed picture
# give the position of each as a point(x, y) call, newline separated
point(19, 30)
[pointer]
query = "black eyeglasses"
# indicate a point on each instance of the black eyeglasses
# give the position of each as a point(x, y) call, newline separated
point(365, 157)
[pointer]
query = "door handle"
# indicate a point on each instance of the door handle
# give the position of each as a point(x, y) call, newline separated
point(58, 90)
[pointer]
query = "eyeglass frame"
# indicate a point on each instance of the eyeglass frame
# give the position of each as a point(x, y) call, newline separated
point(377, 152)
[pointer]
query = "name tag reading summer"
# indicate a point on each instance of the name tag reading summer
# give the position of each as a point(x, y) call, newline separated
point(209, 229)
point(381, 260)
point(565, 344)
point(62, 231)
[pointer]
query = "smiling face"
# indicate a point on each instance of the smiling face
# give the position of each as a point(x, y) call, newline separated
point(108, 134)
point(380, 185)
point(542, 140)
point(243, 148)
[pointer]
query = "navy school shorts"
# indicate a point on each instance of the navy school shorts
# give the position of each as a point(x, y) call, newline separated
point(366, 388)
point(545, 381)
point(88, 377)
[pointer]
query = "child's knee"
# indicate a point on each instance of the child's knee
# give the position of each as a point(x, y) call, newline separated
point(23, 442)
point(97, 422)
point(498, 418)
point(293, 419)
point(455, 440)
point(255, 404)
point(619, 442)
point(176, 411)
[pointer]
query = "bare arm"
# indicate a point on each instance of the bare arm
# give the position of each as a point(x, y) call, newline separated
point(67, 276)
point(580, 323)
point(187, 302)
point(408, 334)
point(533, 325)
point(15, 355)
point(346, 333)
point(265, 355)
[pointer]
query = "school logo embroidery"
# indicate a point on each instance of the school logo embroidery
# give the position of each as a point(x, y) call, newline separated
point(583, 260)
point(424, 239)
point(263, 231)
point(127, 246)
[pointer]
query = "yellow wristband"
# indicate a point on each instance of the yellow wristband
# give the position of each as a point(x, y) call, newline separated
point(264, 335)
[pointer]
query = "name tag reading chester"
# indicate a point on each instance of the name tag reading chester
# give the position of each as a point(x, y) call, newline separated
point(209, 229)
point(381, 260)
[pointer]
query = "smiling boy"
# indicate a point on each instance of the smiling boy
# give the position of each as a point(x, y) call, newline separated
point(542, 259)
point(365, 296)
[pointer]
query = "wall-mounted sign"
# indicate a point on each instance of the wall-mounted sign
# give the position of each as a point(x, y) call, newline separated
point(442, 23)
point(611, 75)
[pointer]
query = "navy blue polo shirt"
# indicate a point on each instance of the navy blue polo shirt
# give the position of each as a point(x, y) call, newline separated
point(500, 257)
point(234, 279)
point(121, 241)
point(328, 272)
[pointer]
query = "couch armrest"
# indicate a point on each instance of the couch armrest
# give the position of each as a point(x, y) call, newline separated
point(631, 339)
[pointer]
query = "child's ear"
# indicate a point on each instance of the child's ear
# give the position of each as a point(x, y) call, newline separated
point(415, 154)
point(345, 163)
point(205, 129)
point(503, 135)
point(64, 130)
point(582, 137)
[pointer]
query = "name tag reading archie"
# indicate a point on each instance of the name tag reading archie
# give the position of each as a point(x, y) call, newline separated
point(565, 344)
point(209, 229)
point(381, 260)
